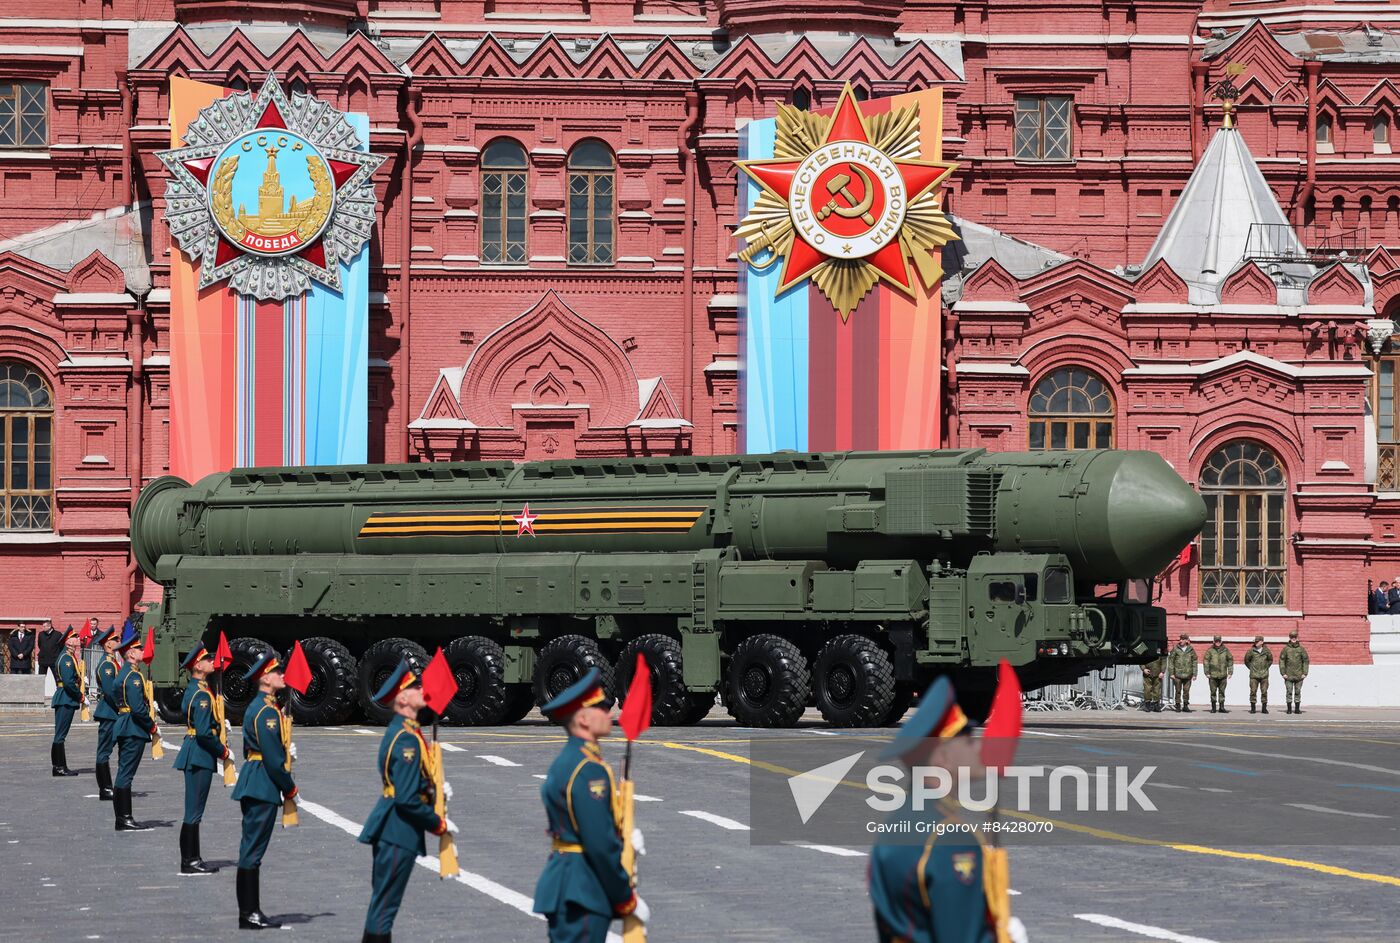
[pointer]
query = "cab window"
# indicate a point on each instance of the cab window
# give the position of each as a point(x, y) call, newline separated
point(1059, 589)
point(1001, 591)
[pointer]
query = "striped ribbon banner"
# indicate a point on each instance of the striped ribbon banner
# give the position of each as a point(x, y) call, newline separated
point(812, 382)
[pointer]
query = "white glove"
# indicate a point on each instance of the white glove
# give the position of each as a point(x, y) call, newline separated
point(228, 729)
point(639, 843)
point(1017, 931)
point(292, 749)
point(447, 790)
point(643, 912)
point(451, 827)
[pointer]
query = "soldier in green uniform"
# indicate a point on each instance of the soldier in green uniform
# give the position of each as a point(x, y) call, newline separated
point(584, 886)
point(1258, 660)
point(405, 811)
point(135, 728)
point(106, 711)
point(1152, 683)
point(199, 756)
point(264, 783)
point(928, 887)
point(1219, 665)
point(68, 696)
point(1182, 665)
point(1293, 665)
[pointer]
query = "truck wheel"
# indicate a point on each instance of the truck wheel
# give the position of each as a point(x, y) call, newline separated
point(168, 702)
point(376, 664)
point(563, 661)
point(478, 664)
point(520, 700)
point(768, 682)
point(701, 703)
point(903, 697)
point(238, 694)
point(854, 681)
point(330, 697)
point(670, 702)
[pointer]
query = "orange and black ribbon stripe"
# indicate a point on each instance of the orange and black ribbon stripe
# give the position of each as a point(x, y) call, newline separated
point(578, 522)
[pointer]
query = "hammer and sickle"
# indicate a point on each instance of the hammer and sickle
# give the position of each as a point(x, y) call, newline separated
point(839, 185)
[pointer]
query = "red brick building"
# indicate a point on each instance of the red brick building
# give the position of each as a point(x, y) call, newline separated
point(554, 271)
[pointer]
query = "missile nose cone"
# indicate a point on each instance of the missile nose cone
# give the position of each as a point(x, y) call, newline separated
point(1152, 514)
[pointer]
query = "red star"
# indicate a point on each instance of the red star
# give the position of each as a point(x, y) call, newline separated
point(525, 522)
point(848, 124)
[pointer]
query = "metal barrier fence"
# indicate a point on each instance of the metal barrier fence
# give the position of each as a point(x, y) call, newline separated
point(1112, 689)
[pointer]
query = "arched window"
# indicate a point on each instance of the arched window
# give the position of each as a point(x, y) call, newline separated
point(1242, 544)
point(238, 83)
point(1071, 409)
point(26, 449)
point(1380, 134)
point(802, 98)
point(503, 173)
point(591, 190)
point(1324, 133)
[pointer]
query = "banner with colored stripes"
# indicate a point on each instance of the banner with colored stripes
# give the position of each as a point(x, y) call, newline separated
point(264, 383)
point(810, 381)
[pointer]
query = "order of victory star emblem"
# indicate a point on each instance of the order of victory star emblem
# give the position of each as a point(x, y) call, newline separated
point(270, 193)
point(846, 202)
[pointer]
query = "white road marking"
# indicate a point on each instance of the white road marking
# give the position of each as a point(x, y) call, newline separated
point(363, 730)
point(496, 760)
point(1045, 733)
point(92, 795)
point(1323, 808)
point(1013, 892)
point(167, 745)
point(539, 775)
point(821, 733)
point(1285, 756)
point(452, 748)
point(1141, 929)
point(641, 798)
point(1214, 789)
point(719, 820)
point(1166, 786)
point(833, 850)
point(477, 882)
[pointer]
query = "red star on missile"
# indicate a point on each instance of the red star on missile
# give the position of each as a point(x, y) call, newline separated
point(848, 124)
point(525, 522)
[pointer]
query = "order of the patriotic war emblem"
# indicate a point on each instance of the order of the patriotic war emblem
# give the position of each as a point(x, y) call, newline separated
point(270, 193)
point(846, 202)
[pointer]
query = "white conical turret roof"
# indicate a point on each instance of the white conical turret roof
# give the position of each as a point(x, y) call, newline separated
point(1206, 235)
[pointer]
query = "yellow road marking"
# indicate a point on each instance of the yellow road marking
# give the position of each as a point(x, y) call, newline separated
point(1096, 832)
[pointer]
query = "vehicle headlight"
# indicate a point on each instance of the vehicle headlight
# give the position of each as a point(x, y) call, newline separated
point(1064, 648)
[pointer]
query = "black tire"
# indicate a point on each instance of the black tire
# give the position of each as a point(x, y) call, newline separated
point(854, 681)
point(903, 698)
point(238, 694)
point(478, 664)
point(376, 664)
point(330, 697)
point(563, 661)
point(520, 700)
point(768, 682)
point(169, 699)
point(670, 701)
point(701, 703)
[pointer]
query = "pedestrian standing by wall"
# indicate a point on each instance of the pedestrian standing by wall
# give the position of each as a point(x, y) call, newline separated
point(1182, 666)
point(1258, 660)
point(1219, 665)
point(1293, 665)
point(50, 642)
point(21, 646)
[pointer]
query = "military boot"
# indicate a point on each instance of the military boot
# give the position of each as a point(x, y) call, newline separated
point(58, 753)
point(121, 801)
point(190, 861)
point(1251, 707)
point(250, 915)
point(1264, 706)
point(1298, 706)
point(377, 938)
point(104, 782)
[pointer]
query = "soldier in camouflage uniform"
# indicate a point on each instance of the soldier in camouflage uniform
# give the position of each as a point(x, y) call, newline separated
point(1293, 665)
point(1182, 665)
point(1258, 660)
point(1219, 665)
point(1152, 683)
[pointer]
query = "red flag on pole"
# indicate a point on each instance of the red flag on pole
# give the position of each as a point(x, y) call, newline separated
point(439, 684)
point(85, 633)
point(1187, 552)
point(148, 652)
point(1004, 723)
point(636, 711)
point(298, 673)
point(223, 655)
